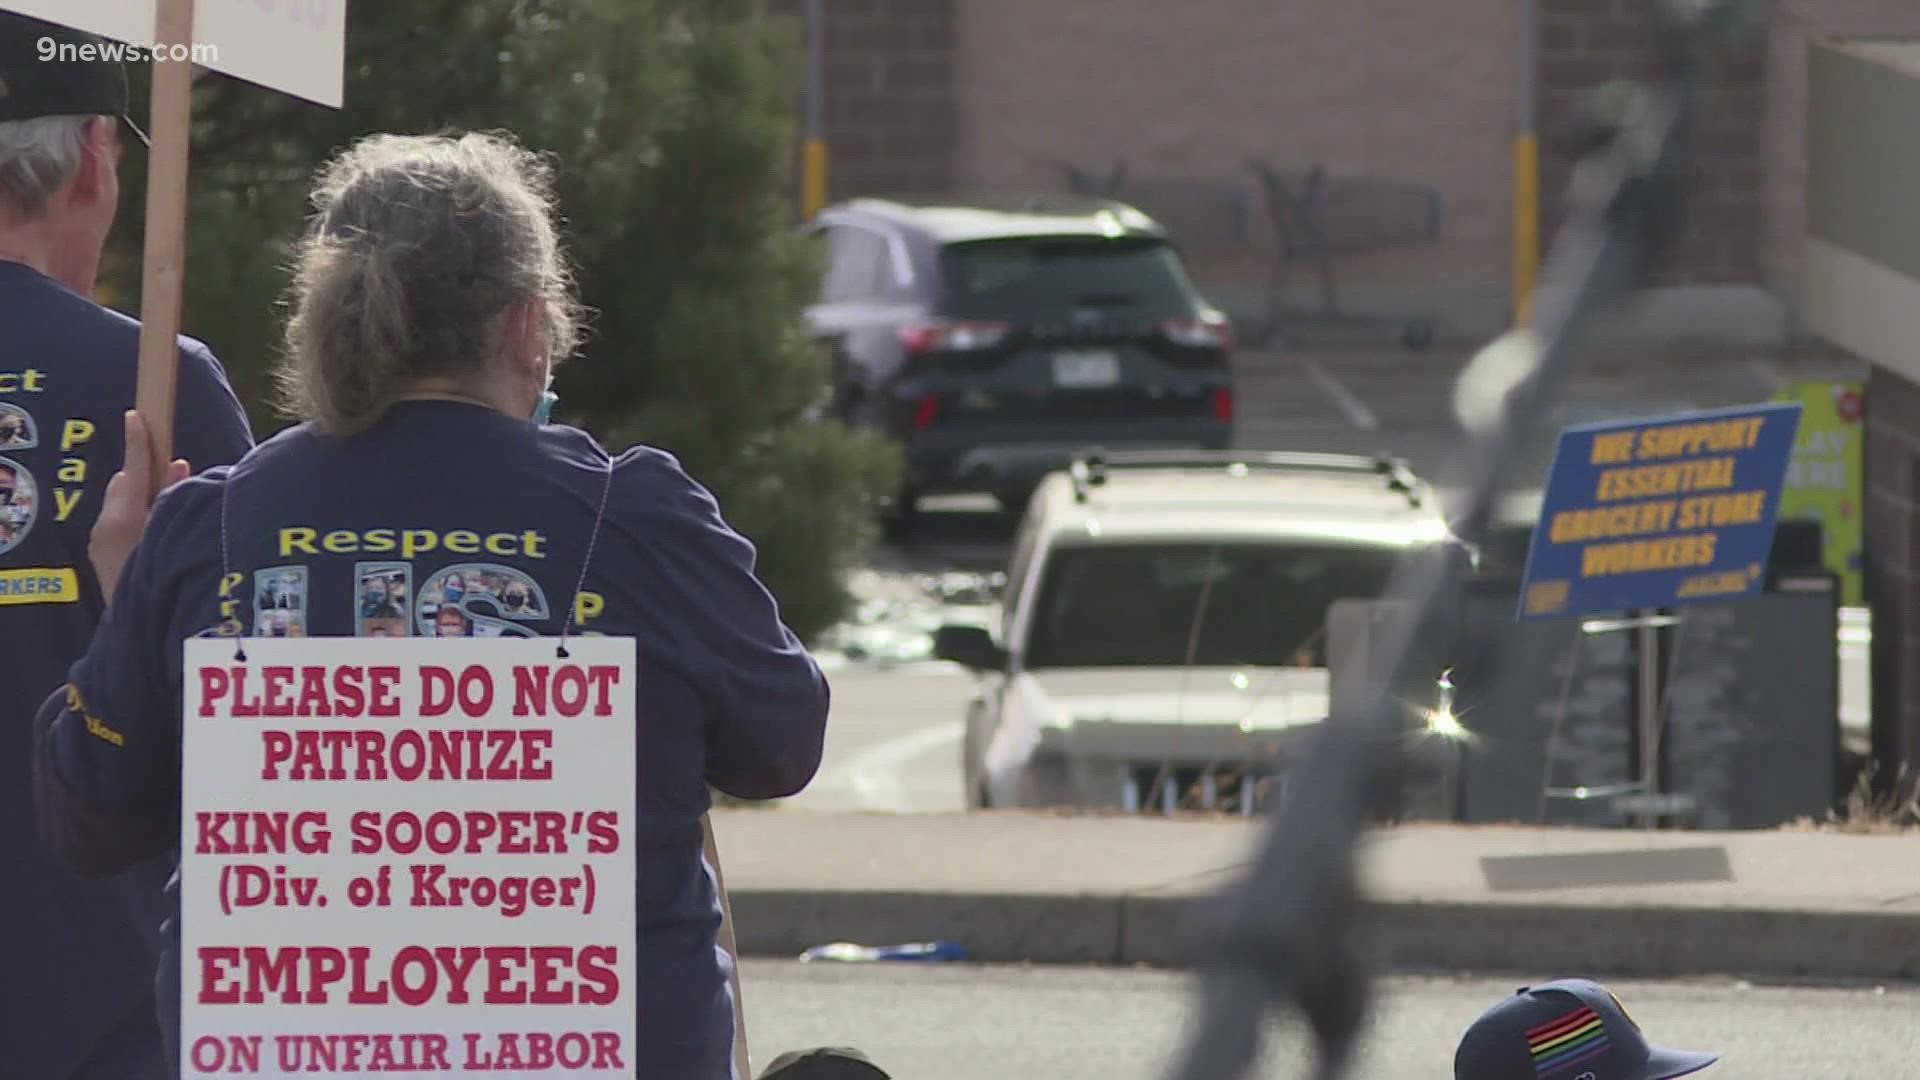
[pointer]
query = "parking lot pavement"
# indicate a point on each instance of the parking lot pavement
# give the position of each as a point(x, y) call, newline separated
point(893, 745)
point(1388, 390)
point(923, 1022)
point(1387, 400)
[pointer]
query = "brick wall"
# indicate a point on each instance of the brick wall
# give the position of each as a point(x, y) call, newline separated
point(1584, 43)
point(888, 66)
point(927, 95)
point(1186, 93)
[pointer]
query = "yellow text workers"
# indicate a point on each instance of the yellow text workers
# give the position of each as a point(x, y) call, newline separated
point(1636, 556)
point(409, 543)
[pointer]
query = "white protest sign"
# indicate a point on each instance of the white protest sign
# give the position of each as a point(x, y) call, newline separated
point(408, 854)
point(295, 46)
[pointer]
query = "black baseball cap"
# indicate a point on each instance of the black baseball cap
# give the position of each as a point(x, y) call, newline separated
point(36, 80)
point(823, 1063)
point(1569, 1029)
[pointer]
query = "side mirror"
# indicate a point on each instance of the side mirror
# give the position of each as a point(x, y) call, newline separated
point(1466, 558)
point(971, 647)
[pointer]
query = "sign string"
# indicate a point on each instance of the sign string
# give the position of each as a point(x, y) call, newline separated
point(586, 562)
point(226, 563)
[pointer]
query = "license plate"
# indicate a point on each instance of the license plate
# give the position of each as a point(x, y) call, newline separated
point(1080, 370)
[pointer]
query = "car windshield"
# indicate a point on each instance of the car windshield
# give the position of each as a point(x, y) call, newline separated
point(1047, 279)
point(1141, 606)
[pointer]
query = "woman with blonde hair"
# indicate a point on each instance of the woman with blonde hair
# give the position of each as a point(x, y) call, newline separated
point(431, 303)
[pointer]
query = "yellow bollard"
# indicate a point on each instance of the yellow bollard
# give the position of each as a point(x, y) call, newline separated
point(1526, 224)
point(813, 178)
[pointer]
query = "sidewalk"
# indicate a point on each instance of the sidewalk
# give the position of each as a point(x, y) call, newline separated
point(1045, 889)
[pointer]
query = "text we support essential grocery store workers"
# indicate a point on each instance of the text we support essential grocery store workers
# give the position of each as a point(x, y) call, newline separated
point(76, 957)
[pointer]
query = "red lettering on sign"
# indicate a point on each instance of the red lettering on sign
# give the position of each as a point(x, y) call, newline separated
point(277, 703)
point(414, 975)
point(460, 754)
point(436, 691)
point(570, 687)
point(385, 701)
point(313, 692)
point(322, 692)
point(604, 677)
point(214, 685)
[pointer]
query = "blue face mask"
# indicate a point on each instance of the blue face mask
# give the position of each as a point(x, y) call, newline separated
point(543, 413)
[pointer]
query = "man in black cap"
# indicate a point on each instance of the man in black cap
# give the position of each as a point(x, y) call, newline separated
point(823, 1063)
point(1571, 1029)
point(77, 958)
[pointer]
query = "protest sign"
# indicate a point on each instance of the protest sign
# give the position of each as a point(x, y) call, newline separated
point(297, 47)
point(1825, 480)
point(1655, 513)
point(408, 854)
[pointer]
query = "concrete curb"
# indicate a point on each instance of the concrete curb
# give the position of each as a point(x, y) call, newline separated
point(1609, 940)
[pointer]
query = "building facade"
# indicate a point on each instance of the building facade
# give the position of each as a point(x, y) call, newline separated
point(1862, 263)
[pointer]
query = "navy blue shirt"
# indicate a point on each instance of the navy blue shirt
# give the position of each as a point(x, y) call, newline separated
point(67, 372)
point(500, 516)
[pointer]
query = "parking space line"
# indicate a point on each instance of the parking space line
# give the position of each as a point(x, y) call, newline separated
point(1347, 401)
point(1254, 434)
point(874, 773)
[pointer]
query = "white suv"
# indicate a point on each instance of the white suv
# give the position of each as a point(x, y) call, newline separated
point(1161, 639)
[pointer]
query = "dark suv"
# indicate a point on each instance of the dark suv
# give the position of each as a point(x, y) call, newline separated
point(993, 340)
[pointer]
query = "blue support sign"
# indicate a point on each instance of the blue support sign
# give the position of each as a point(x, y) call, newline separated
point(1660, 512)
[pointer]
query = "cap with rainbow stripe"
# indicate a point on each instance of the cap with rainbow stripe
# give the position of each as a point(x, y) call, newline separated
point(1570, 1029)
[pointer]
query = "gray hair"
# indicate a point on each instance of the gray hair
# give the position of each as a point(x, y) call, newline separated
point(37, 158)
point(418, 247)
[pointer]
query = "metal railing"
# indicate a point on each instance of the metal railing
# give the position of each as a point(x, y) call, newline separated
point(1089, 470)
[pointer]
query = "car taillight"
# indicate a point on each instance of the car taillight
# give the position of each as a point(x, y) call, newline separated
point(1223, 404)
point(921, 338)
point(924, 415)
point(1210, 331)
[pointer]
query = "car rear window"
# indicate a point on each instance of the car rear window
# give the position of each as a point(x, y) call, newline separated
point(1046, 279)
point(1127, 605)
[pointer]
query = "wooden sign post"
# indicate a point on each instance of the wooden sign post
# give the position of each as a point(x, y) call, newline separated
point(742, 1061)
point(163, 275)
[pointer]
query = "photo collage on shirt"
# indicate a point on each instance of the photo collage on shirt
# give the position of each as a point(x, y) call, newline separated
point(384, 593)
point(280, 602)
point(19, 494)
point(17, 429)
point(480, 600)
point(464, 600)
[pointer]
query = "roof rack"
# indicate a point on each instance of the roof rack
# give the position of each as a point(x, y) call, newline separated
point(1072, 203)
point(1000, 202)
point(1089, 470)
